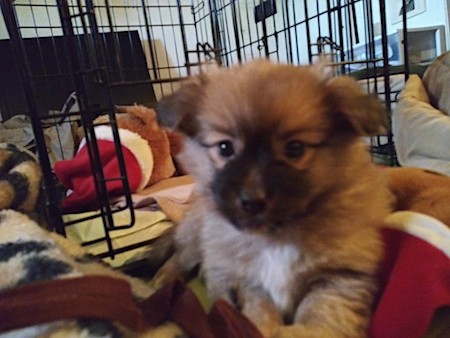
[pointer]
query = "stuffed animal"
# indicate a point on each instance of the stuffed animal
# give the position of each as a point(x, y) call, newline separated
point(422, 191)
point(164, 144)
point(147, 150)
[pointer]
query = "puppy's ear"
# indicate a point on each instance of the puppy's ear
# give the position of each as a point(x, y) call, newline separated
point(364, 113)
point(178, 111)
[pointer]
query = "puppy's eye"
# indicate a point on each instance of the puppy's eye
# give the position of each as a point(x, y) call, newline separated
point(226, 149)
point(295, 149)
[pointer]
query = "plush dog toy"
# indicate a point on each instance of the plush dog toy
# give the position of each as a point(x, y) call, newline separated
point(164, 144)
point(147, 150)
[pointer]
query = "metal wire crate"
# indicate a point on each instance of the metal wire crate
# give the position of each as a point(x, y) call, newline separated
point(300, 32)
point(121, 52)
point(103, 54)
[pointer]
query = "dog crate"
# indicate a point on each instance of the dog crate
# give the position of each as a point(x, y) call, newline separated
point(66, 62)
point(351, 35)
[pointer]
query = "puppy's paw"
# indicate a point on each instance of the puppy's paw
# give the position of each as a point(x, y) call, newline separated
point(304, 331)
point(264, 315)
point(293, 331)
point(169, 272)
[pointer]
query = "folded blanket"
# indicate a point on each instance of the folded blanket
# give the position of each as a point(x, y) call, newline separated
point(50, 287)
point(29, 255)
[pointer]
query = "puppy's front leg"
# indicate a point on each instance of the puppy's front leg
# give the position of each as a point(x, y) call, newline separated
point(188, 252)
point(338, 305)
point(261, 310)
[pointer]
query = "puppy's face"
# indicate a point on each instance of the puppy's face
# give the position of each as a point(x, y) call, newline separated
point(271, 143)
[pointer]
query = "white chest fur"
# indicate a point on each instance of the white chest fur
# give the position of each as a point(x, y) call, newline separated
point(253, 259)
point(275, 269)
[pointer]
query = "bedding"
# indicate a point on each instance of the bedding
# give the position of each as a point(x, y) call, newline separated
point(157, 209)
point(51, 287)
point(19, 131)
point(437, 81)
point(421, 121)
point(149, 225)
point(377, 85)
point(419, 130)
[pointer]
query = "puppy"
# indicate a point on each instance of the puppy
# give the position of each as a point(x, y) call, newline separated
point(288, 205)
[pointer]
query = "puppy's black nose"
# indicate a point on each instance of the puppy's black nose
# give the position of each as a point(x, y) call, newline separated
point(253, 203)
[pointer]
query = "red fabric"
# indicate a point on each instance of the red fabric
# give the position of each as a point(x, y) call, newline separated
point(76, 174)
point(416, 281)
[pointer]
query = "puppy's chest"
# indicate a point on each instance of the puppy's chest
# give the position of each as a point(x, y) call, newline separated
point(276, 269)
point(257, 262)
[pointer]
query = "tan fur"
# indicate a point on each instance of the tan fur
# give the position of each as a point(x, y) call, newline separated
point(142, 120)
point(420, 190)
point(320, 268)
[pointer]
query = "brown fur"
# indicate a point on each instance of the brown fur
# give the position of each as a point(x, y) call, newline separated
point(422, 191)
point(288, 207)
point(143, 121)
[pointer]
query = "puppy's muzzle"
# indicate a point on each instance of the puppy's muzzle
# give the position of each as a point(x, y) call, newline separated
point(253, 197)
point(253, 202)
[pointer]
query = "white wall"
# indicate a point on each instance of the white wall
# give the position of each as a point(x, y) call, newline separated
point(436, 14)
point(167, 47)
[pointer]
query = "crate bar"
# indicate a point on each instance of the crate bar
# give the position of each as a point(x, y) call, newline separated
point(50, 184)
point(183, 38)
point(150, 39)
point(308, 31)
point(387, 94)
point(215, 28)
point(288, 34)
point(82, 83)
point(236, 31)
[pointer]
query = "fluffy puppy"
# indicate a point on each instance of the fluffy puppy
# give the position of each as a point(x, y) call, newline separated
point(288, 206)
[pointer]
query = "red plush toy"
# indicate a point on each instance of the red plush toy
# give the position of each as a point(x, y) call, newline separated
point(147, 152)
point(76, 174)
point(415, 298)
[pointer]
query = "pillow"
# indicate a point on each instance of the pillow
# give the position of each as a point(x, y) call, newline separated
point(414, 89)
point(437, 82)
point(420, 131)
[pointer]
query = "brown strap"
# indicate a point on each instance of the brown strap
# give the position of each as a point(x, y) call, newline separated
point(177, 303)
point(111, 299)
point(84, 297)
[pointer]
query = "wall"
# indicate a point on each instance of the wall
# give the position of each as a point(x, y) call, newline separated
point(170, 53)
point(436, 14)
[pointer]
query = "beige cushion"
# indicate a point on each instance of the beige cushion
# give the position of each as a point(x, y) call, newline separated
point(437, 82)
point(414, 89)
point(421, 132)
